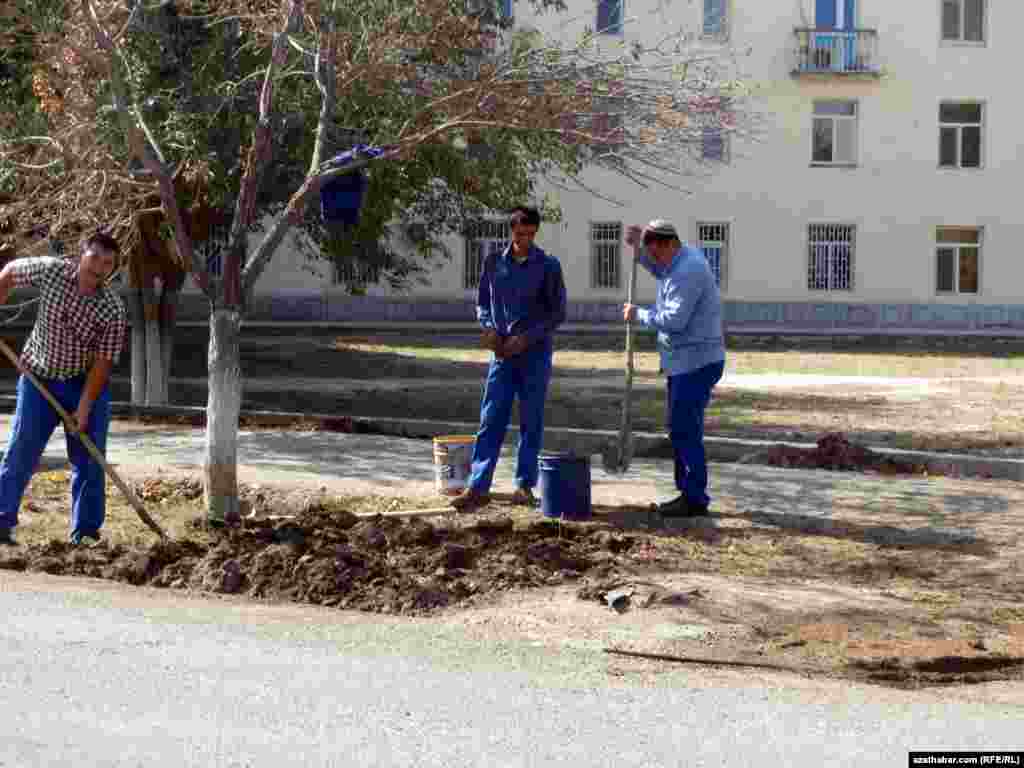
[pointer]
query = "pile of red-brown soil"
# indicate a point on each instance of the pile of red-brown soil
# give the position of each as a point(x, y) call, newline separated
point(332, 557)
point(835, 451)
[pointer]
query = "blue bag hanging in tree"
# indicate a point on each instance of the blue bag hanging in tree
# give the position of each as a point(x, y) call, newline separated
point(341, 198)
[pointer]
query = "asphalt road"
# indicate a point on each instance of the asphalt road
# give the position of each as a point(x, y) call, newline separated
point(95, 674)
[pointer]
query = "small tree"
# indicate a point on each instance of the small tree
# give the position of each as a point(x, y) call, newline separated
point(435, 85)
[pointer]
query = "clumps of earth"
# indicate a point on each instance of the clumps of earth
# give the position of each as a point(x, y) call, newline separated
point(329, 556)
point(835, 451)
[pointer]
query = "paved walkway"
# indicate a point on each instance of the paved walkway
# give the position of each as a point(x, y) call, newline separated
point(370, 464)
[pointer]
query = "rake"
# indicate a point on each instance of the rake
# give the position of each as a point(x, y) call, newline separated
point(90, 446)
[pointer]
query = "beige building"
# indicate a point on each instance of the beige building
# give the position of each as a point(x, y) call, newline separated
point(879, 197)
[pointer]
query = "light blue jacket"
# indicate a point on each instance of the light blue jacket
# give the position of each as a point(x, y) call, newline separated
point(688, 314)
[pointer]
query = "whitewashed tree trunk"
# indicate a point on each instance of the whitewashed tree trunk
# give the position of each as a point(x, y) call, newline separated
point(138, 319)
point(168, 327)
point(222, 409)
point(156, 381)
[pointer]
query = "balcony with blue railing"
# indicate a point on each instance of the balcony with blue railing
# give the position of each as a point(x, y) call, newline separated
point(835, 52)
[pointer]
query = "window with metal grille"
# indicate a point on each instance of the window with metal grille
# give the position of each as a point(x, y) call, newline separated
point(830, 257)
point(713, 239)
point(834, 133)
point(212, 250)
point(356, 274)
point(609, 17)
point(605, 254)
point(715, 19)
point(482, 239)
point(960, 135)
point(715, 145)
point(957, 259)
point(963, 21)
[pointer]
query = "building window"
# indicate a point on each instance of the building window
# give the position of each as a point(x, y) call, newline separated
point(482, 239)
point(963, 21)
point(716, 19)
point(830, 257)
point(356, 274)
point(213, 249)
point(957, 259)
point(715, 145)
point(215, 263)
point(713, 239)
point(605, 254)
point(609, 17)
point(834, 131)
point(960, 135)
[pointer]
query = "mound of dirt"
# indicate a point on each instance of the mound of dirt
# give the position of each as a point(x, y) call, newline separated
point(332, 557)
point(835, 451)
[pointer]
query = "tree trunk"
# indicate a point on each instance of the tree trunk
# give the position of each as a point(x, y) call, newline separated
point(222, 408)
point(168, 327)
point(136, 309)
point(156, 382)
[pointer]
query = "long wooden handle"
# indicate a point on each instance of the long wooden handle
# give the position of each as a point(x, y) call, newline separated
point(625, 429)
point(86, 441)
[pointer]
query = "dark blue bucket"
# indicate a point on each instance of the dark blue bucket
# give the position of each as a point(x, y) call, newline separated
point(565, 486)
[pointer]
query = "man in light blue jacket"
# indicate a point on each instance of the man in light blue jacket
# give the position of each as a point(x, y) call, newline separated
point(688, 319)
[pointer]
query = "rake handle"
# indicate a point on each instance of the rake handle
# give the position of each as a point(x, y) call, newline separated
point(86, 441)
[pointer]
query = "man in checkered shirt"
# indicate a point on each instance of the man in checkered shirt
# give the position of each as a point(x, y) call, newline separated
point(79, 332)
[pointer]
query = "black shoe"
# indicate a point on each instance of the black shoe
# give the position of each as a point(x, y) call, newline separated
point(7, 538)
point(680, 507)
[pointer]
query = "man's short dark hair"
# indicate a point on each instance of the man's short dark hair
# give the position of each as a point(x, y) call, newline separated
point(524, 214)
point(656, 238)
point(104, 241)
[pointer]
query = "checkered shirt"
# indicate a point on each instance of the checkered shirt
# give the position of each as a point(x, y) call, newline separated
point(71, 330)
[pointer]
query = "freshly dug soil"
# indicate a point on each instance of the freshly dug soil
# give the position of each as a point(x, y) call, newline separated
point(331, 557)
point(308, 549)
point(835, 451)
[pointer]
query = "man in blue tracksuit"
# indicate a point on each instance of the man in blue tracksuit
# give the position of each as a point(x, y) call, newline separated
point(688, 319)
point(520, 303)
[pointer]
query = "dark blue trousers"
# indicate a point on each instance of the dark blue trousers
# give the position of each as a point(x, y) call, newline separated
point(33, 425)
point(688, 397)
point(525, 376)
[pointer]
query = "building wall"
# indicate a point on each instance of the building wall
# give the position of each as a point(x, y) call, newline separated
point(895, 195)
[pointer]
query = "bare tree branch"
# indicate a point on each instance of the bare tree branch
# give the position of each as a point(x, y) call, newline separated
point(259, 154)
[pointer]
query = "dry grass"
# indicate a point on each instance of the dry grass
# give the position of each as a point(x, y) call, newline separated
point(176, 504)
point(944, 401)
point(578, 354)
point(46, 513)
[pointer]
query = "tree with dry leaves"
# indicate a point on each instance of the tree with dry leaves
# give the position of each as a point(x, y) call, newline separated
point(435, 86)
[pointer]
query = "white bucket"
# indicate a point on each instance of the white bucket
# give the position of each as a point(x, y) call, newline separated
point(453, 458)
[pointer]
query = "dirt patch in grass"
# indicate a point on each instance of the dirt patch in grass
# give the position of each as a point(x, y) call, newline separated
point(835, 451)
point(872, 595)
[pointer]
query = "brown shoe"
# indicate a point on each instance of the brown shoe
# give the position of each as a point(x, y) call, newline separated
point(524, 497)
point(470, 500)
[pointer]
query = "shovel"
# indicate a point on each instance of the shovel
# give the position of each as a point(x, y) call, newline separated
point(90, 446)
point(619, 456)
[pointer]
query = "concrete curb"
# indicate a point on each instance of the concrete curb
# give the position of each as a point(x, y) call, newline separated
point(583, 442)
